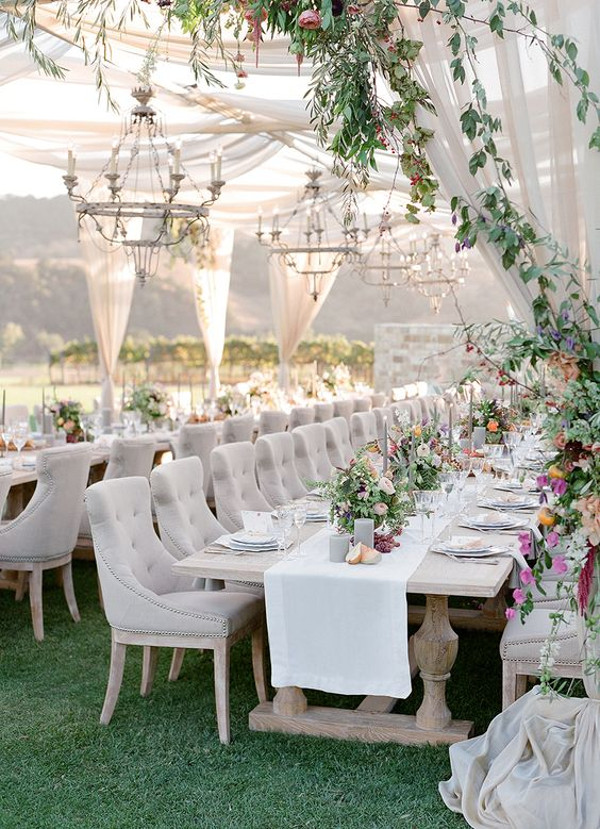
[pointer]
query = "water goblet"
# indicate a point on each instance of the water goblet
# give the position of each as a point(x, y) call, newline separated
point(20, 436)
point(477, 465)
point(285, 519)
point(423, 500)
point(4, 432)
point(136, 422)
point(446, 480)
point(299, 521)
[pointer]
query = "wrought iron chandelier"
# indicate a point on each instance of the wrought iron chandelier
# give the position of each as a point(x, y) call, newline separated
point(315, 254)
point(385, 265)
point(436, 273)
point(131, 204)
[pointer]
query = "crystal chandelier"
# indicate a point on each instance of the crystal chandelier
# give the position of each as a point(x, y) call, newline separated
point(386, 265)
point(131, 204)
point(314, 255)
point(435, 273)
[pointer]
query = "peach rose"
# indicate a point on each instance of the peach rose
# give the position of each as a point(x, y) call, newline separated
point(560, 440)
point(566, 364)
point(590, 517)
point(310, 19)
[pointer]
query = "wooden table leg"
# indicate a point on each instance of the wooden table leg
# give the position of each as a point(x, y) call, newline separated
point(436, 647)
point(289, 701)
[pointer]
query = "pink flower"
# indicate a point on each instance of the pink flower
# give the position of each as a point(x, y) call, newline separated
point(510, 613)
point(362, 496)
point(526, 576)
point(519, 596)
point(380, 508)
point(525, 543)
point(559, 565)
point(310, 19)
point(552, 540)
point(559, 486)
point(542, 481)
point(385, 485)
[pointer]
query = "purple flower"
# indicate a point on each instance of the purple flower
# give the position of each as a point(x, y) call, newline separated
point(510, 613)
point(565, 315)
point(552, 539)
point(519, 597)
point(542, 481)
point(525, 542)
point(559, 486)
point(454, 218)
point(526, 576)
point(467, 244)
point(457, 247)
point(559, 565)
point(556, 336)
point(570, 343)
point(540, 330)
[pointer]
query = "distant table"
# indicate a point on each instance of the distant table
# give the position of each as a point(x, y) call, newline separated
point(435, 650)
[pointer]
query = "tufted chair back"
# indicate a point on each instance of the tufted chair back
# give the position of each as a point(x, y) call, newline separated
point(406, 408)
point(198, 440)
point(343, 408)
point(129, 458)
point(47, 527)
point(323, 412)
point(235, 484)
point(380, 416)
point(269, 423)
point(362, 404)
point(238, 429)
point(278, 477)
point(185, 522)
point(310, 452)
point(363, 429)
point(337, 437)
point(301, 416)
point(5, 483)
point(378, 400)
point(132, 561)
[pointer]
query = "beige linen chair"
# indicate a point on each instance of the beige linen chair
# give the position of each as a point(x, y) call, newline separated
point(378, 400)
point(363, 429)
point(43, 536)
point(127, 458)
point(269, 423)
point(5, 484)
point(310, 452)
point(405, 408)
point(343, 408)
point(361, 404)
point(323, 412)
point(301, 416)
point(337, 440)
point(278, 477)
point(235, 484)
point(520, 651)
point(238, 429)
point(198, 440)
point(147, 605)
point(380, 416)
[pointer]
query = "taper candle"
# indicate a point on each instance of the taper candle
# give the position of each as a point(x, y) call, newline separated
point(385, 446)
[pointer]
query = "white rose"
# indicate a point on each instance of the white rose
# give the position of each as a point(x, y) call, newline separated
point(422, 450)
point(385, 485)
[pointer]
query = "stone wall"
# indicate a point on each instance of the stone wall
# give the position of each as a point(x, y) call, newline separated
point(407, 352)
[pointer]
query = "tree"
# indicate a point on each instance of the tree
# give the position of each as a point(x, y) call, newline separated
point(10, 336)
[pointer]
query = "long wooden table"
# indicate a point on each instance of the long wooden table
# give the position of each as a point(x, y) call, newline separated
point(435, 651)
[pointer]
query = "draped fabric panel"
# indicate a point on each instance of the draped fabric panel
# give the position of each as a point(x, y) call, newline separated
point(211, 292)
point(110, 282)
point(293, 308)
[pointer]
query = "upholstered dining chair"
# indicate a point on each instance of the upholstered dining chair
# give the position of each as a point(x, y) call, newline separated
point(378, 400)
point(405, 409)
point(323, 412)
point(337, 441)
point(361, 404)
point(238, 429)
point(147, 604)
point(127, 458)
point(343, 408)
point(278, 478)
point(310, 452)
point(235, 484)
point(269, 423)
point(301, 416)
point(43, 536)
point(383, 416)
point(5, 484)
point(197, 440)
point(363, 429)
point(520, 650)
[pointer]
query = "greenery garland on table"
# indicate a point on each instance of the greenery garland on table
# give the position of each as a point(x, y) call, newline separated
point(351, 45)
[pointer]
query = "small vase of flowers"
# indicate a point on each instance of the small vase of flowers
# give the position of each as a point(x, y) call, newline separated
point(150, 400)
point(67, 419)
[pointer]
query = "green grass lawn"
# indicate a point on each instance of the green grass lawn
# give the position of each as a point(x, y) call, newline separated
point(159, 764)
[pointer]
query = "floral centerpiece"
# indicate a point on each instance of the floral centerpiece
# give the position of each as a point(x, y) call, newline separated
point(67, 418)
point(361, 491)
point(151, 400)
point(419, 453)
point(262, 391)
point(337, 380)
point(493, 416)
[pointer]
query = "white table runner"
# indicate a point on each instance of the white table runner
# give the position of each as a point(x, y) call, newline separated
point(342, 628)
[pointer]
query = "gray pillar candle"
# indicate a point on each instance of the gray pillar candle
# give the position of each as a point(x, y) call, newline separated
point(364, 531)
point(339, 544)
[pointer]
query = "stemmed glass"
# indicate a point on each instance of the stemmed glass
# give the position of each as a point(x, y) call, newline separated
point(285, 519)
point(477, 465)
point(423, 505)
point(136, 420)
point(5, 432)
point(446, 480)
point(299, 521)
point(20, 436)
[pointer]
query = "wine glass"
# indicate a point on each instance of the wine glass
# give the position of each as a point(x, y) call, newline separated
point(423, 501)
point(437, 497)
point(20, 436)
point(299, 513)
point(477, 465)
point(446, 480)
point(285, 519)
point(4, 432)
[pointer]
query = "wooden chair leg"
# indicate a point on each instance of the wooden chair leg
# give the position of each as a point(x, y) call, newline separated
point(69, 591)
point(115, 677)
point(149, 663)
point(221, 657)
point(509, 684)
point(35, 601)
point(100, 596)
point(176, 663)
point(22, 579)
point(520, 685)
point(258, 663)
